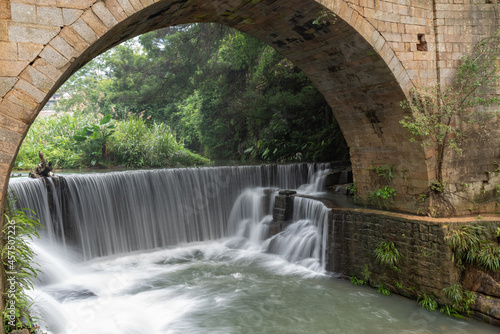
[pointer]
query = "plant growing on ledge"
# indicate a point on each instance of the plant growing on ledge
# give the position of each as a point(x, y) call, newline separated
point(469, 245)
point(388, 255)
point(382, 195)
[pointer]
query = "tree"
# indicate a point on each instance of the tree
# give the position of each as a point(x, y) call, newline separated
point(445, 116)
point(221, 90)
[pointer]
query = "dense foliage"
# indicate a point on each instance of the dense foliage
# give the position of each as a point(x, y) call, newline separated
point(130, 142)
point(226, 95)
point(19, 267)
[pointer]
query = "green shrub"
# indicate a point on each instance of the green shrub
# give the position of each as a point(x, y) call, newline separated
point(17, 259)
point(388, 255)
point(469, 245)
point(459, 299)
point(87, 140)
point(357, 281)
point(427, 302)
point(383, 290)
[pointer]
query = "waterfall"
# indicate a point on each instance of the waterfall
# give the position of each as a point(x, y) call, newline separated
point(121, 212)
point(304, 241)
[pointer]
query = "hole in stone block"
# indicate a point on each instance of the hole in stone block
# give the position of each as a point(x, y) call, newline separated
point(422, 44)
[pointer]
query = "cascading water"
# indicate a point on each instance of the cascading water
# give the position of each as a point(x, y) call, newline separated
point(187, 251)
point(116, 213)
point(304, 241)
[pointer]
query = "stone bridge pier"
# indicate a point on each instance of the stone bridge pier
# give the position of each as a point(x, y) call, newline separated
point(363, 55)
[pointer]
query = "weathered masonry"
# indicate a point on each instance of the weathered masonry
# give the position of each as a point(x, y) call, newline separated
point(363, 55)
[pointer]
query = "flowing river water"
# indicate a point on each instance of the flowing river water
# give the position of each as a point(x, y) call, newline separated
point(186, 251)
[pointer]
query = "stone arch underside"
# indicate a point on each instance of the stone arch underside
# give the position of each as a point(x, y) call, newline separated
point(347, 59)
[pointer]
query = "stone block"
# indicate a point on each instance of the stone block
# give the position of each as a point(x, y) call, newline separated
point(104, 14)
point(37, 79)
point(8, 51)
point(37, 2)
point(94, 23)
point(5, 164)
point(12, 123)
point(115, 9)
point(71, 15)
point(23, 100)
point(53, 57)
point(9, 140)
point(50, 71)
point(6, 84)
point(31, 33)
point(28, 51)
point(83, 29)
point(23, 13)
point(79, 4)
point(28, 89)
point(136, 4)
point(146, 3)
point(64, 47)
point(5, 10)
point(127, 7)
point(50, 16)
point(12, 68)
point(14, 111)
point(74, 39)
point(4, 34)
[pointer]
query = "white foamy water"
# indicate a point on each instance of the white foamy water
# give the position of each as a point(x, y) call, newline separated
point(210, 288)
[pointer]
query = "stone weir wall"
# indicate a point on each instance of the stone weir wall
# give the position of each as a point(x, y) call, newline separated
point(426, 266)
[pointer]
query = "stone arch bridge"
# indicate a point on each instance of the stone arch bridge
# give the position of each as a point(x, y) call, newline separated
point(363, 55)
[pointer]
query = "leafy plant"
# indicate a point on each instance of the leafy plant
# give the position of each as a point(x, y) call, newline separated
point(450, 311)
point(357, 281)
point(382, 195)
point(488, 257)
point(352, 190)
point(17, 258)
point(470, 246)
point(465, 243)
point(97, 135)
point(388, 255)
point(386, 171)
point(437, 187)
point(427, 302)
point(459, 299)
point(399, 285)
point(383, 290)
